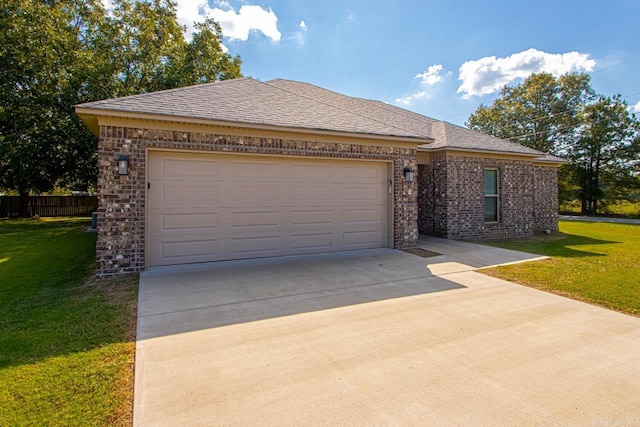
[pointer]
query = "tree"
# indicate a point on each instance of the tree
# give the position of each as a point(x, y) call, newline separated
point(38, 73)
point(149, 52)
point(564, 116)
point(606, 150)
point(541, 113)
point(56, 54)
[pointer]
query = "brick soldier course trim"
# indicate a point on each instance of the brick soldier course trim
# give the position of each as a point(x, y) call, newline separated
point(121, 198)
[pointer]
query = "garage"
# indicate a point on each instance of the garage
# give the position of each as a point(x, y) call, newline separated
point(205, 207)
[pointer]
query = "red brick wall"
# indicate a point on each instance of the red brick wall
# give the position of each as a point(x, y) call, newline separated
point(121, 199)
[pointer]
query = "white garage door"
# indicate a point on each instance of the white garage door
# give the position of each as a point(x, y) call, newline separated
point(205, 207)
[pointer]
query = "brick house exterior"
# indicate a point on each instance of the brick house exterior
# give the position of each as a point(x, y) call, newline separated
point(292, 120)
point(451, 197)
point(121, 199)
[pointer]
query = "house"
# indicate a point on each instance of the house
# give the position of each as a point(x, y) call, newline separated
point(244, 169)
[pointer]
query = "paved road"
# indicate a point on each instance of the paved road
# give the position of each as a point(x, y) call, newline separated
point(599, 219)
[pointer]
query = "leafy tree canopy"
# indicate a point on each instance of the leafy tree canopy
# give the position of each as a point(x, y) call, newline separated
point(55, 54)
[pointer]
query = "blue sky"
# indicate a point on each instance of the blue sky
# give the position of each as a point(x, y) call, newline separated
point(442, 59)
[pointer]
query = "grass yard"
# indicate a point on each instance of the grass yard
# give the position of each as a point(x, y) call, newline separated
point(67, 341)
point(594, 262)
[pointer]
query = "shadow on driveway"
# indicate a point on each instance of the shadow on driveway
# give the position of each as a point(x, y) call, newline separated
point(182, 299)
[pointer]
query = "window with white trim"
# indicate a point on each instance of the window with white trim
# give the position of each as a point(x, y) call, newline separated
point(491, 195)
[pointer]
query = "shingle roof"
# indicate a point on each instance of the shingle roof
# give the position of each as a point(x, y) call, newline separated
point(248, 101)
point(447, 135)
point(403, 119)
point(291, 104)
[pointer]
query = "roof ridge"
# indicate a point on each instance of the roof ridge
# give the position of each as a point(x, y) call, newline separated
point(341, 108)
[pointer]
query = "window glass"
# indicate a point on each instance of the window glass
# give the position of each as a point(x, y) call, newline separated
point(491, 209)
point(490, 182)
point(491, 195)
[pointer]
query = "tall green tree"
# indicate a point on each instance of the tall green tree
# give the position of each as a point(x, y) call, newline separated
point(41, 70)
point(540, 113)
point(606, 151)
point(564, 116)
point(55, 54)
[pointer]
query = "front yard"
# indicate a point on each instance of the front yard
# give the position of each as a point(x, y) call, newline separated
point(594, 262)
point(67, 341)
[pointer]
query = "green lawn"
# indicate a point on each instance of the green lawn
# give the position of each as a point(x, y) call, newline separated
point(593, 262)
point(67, 341)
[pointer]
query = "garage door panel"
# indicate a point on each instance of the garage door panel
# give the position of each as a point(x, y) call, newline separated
point(265, 170)
point(189, 248)
point(193, 193)
point(312, 241)
point(234, 207)
point(312, 217)
point(181, 252)
point(190, 221)
point(260, 194)
point(305, 193)
point(357, 239)
point(189, 169)
point(362, 216)
point(253, 219)
point(363, 174)
point(255, 245)
point(169, 218)
point(361, 194)
point(306, 173)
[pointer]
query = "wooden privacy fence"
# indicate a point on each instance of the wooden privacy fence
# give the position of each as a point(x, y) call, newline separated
point(49, 205)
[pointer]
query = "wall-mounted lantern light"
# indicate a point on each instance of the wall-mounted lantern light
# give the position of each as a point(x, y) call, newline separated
point(408, 174)
point(123, 164)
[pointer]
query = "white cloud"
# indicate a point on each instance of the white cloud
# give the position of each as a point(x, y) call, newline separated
point(433, 75)
point(190, 11)
point(299, 36)
point(235, 25)
point(408, 100)
point(636, 108)
point(489, 74)
point(428, 79)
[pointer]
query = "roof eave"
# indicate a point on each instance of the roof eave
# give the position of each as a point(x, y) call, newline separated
point(479, 151)
point(91, 117)
point(558, 161)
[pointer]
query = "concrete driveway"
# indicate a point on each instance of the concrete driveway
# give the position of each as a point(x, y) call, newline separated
point(379, 337)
